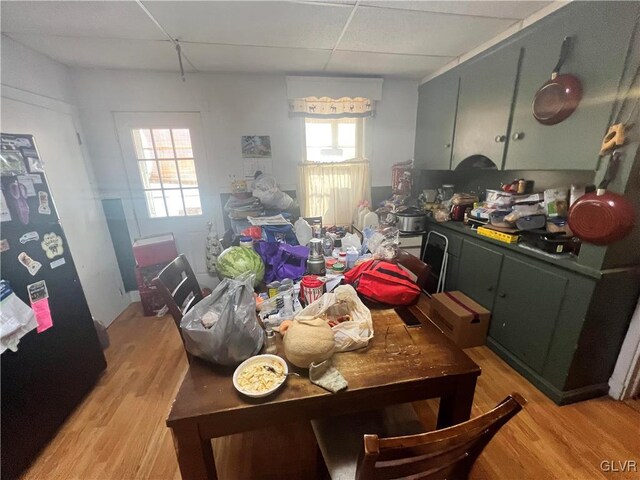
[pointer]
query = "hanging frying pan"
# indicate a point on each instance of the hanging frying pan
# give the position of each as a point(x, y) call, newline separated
point(602, 217)
point(560, 96)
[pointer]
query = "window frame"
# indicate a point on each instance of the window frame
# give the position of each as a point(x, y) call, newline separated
point(360, 139)
point(175, 159)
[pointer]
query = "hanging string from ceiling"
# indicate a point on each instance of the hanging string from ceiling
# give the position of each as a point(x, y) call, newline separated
point(179, 51)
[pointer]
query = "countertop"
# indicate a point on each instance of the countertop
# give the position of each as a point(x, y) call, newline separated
point(568, 263)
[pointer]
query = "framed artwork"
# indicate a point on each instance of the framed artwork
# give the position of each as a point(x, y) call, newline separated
point(256, 146)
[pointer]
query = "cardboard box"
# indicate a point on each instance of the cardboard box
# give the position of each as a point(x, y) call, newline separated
point(460, 318)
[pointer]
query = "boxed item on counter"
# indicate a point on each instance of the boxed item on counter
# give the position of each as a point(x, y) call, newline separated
point(499, 199)
point(460, 318)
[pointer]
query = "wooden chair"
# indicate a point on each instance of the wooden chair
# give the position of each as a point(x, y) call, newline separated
point(416, 266)
point(442, 454)
point(179, 288)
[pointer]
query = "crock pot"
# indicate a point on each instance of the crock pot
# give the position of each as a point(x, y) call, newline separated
point(412, 221)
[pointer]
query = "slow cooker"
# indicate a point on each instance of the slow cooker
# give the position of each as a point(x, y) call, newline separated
point(412, 221)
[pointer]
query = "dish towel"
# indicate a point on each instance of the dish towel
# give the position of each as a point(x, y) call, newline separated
point(327, 376)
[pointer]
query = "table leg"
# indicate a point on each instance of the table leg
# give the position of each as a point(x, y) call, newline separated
point(455, 407)
point(195, 455)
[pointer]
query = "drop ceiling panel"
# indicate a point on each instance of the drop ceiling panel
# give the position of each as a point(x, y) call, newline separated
point(79, 19)
point(402, 31)
point(231, 58)
point(499, 9)
point(280, 24)
point(407, 66)
point(105, 52)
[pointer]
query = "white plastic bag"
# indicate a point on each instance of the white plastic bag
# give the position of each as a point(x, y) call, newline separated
point(349, 335)
point(303, 231)
point(351, 240)
point(266, 189)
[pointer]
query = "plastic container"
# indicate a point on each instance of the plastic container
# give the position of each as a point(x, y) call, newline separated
point(246, 242)
point(370, 220)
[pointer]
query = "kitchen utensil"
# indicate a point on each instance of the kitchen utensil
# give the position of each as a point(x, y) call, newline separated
point(602, 217)
point(411, 221)
point(558, 98)
point(549, 242)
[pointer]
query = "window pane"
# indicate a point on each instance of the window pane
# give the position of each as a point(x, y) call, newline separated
point(175, 206)
point(192, 201)
point(188, 173)
point(318, 134)
point(169, 173)
point(164, 146)
point(182, 142)
point(347, 134)
point(142, 143)
point(149, 174)
point(155, 203)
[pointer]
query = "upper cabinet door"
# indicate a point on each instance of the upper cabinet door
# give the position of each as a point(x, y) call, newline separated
point(484, 106)
point(435, 122)
point(600, 34)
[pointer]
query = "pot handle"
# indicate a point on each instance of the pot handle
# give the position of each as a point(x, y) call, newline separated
point(564, 53)
point(610, 173)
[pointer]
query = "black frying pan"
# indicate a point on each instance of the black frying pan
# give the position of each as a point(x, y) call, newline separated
point(560, 96)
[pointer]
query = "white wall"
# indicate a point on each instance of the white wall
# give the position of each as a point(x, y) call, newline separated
point(231, 105)
point(37, 98)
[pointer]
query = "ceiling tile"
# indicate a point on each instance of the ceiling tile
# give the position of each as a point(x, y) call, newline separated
point(105, 52)
point(497, 9)
point(279, 24)
point(407, 66)
point(231, 58)
point(79, 19)
point(422, 33)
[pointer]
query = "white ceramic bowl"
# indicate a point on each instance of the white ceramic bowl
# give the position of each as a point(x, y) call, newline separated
point(259, 358)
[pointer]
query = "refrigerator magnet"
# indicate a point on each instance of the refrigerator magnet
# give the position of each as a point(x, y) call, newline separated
point(43, 207)
point(57, 263)
point(5, 214)
point(4, 245)
point(52, 245)
point(29, 237)
point(39, 298)
point(27, 181)
point(29, 263)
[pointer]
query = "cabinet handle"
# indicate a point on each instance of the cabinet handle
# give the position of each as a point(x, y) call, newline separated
point(447, 145)
point(490, 289)
point(500, 138)
point(518, 136)
point(502, 295)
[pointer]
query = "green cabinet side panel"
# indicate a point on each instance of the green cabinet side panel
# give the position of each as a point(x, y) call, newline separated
point(452, 281)
point(435, 122)
point(600, 34)
point(478, 273)
point(484, 106)
point(526, 310)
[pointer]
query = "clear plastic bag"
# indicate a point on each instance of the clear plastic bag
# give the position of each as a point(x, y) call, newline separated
point(234, 334)
point(384, 243)
point(266, 189)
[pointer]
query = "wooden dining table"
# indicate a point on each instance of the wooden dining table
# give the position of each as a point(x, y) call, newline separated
point(399, 365)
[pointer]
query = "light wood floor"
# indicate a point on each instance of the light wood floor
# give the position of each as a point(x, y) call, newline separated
point(119, 431)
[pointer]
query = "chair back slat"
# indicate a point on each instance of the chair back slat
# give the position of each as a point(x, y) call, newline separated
point(179, 288)
point(447, 453)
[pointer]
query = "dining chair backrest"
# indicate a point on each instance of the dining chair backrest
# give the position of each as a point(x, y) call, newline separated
point(179, 288)
point(446, 453)
point(414, 265)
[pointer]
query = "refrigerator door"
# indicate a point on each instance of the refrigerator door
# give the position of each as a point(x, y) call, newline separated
point(53, 370)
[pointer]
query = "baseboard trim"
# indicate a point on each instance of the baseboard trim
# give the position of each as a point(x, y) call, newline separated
point(561, 397)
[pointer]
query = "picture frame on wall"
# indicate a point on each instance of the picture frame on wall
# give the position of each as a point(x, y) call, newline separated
point(256, 146)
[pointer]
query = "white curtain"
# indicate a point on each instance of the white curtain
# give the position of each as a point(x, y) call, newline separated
point(333, 190)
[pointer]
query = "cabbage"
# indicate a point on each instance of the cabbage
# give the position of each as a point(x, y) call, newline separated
point(235, 261)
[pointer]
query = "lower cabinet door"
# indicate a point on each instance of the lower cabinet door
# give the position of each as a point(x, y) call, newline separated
point(525, 311)
point(478, 273)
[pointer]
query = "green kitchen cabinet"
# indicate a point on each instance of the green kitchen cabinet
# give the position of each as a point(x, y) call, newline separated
point(484, 105)
point(525, 311)
point(478, 272)
point(600, 33)
point(435, 122)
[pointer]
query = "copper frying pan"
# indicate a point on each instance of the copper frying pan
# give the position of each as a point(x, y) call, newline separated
point(560, 96)
point(602, 217)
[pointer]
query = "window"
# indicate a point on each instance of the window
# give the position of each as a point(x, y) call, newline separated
point(167, 171)
point(333, 139)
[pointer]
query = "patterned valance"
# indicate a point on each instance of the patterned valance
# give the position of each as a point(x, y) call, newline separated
point(325, 107)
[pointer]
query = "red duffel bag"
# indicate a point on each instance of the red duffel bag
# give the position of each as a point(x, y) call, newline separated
point(383, 282)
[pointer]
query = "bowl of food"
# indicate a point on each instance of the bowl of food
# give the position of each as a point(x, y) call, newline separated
point(260, 376)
